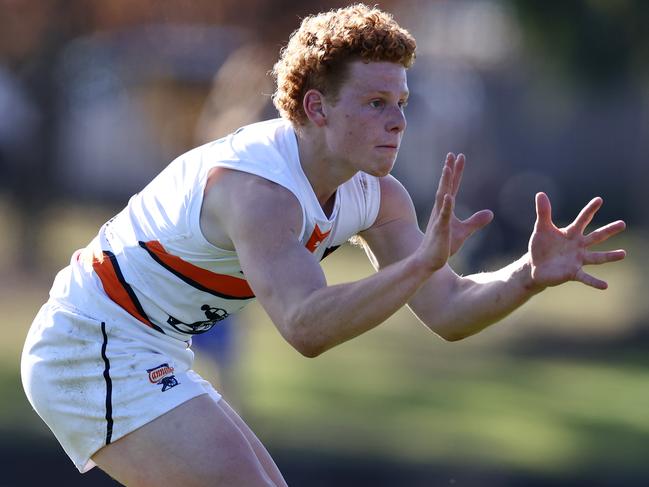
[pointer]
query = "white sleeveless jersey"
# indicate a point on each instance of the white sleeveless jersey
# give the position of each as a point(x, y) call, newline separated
point(153, 261)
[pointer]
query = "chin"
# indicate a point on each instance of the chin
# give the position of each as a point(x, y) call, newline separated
point(384, 172)
point(381, 170)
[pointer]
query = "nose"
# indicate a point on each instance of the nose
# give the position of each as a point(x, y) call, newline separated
point(397, 120)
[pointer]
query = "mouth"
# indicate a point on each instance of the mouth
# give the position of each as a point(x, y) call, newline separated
point(388, 146)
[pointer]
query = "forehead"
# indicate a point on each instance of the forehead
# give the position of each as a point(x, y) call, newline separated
point(375, 76)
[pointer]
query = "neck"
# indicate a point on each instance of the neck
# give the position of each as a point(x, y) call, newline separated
point(324, 172)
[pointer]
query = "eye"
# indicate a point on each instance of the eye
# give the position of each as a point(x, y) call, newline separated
point(403, 104)
point(377, 103)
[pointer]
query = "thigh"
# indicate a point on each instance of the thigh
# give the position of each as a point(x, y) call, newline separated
point(260, 450)
point(194, 444)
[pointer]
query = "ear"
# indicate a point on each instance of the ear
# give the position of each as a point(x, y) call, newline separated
point(313, 105)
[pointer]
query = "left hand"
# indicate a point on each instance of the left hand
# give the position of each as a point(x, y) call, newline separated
point(558, 255)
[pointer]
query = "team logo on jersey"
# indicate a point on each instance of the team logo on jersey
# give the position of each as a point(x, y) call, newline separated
point(213, 315)
point(163, 375)
point(316, 238)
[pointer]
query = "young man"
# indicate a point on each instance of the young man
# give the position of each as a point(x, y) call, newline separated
point(107, 362)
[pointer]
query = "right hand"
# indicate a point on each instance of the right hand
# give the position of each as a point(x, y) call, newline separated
point(446, 233)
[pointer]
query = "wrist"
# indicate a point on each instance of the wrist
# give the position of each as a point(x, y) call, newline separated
point(527, 275)
point(420, 268)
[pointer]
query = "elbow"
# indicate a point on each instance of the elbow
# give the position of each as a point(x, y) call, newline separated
point(449, 334)
point(306, 348)
point(307, 345)
point(448, 328)
point(306, 335)
point(310, 351)
point(452, 337)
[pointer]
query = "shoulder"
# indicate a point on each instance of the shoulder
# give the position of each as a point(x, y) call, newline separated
point(261, 137)
point(396, 202)
point(241, 204)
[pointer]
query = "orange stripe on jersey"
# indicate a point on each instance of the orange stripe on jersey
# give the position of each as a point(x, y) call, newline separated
point(316, 238)
point(222, 285)
point(106, 267)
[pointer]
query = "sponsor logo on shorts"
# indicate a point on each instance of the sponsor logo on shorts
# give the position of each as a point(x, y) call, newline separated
point(163, 375)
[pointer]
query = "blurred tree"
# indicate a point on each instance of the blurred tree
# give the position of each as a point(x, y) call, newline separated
point(600, 48)
point(32, 35)
point(598, 42)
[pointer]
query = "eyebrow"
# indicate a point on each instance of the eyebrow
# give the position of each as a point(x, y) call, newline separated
point(388, 93)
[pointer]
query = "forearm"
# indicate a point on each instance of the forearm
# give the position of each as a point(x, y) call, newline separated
point(332, 315)
point(472, 303)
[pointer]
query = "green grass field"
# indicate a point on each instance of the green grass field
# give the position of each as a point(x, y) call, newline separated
point(557, 388)
point(497, 399)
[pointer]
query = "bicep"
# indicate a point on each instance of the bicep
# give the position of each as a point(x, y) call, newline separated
point(280, 271)
point(264, 230)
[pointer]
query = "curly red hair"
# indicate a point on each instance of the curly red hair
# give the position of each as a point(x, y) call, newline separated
point(319, 51)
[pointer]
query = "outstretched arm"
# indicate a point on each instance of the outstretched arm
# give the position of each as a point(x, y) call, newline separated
point(287, 279)
point(456, 307)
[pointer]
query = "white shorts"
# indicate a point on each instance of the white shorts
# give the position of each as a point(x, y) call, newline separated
point(96, 379)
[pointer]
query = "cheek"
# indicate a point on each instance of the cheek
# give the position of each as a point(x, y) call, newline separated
point(351, 126)
point(355, 142)
point(348, 133)
point(356, 131)
point(352, 134)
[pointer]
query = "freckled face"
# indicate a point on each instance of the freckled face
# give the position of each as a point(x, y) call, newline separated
point(365, 124)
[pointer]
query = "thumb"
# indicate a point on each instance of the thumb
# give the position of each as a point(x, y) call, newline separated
point(478, 220)
point(543, 211)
